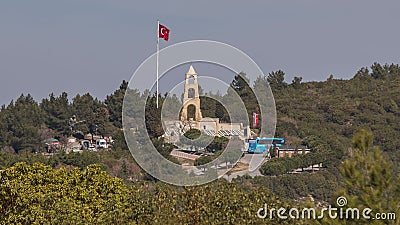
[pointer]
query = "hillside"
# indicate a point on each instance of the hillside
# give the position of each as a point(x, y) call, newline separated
point(334, 110)
point(323, 115)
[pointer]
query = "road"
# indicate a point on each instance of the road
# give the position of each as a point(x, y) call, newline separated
point(254, 161)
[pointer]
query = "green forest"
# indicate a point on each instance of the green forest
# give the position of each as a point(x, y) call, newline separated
point(351, 126)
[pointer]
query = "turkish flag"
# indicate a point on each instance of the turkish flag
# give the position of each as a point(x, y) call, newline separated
point(255, 120)
point(163, 32)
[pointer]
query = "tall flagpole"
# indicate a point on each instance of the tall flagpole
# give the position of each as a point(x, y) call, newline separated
point(158, 41)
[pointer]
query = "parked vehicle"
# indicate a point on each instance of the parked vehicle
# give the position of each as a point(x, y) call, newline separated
point(85, 144)
point(77, 148)
point(101, 143)
point(260, 145)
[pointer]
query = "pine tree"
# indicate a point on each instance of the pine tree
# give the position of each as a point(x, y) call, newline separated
point(153, 117)
point(93, 112)
point(369, 177)
point(58, 112)
point(241, 86)
point(114, 104)
point(296, 82)
point(21, 122)
point(277, 80)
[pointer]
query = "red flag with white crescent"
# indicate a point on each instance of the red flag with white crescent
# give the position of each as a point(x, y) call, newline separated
point(255, 120)
point(163, 32)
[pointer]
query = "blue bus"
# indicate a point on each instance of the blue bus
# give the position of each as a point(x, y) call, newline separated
point(260, 145)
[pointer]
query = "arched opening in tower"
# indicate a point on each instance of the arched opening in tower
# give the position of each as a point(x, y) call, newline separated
point(191, 93)
point(191, 80)
point(191, 112)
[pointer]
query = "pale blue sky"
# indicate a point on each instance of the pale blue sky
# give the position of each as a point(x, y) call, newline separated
point(81, 46)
